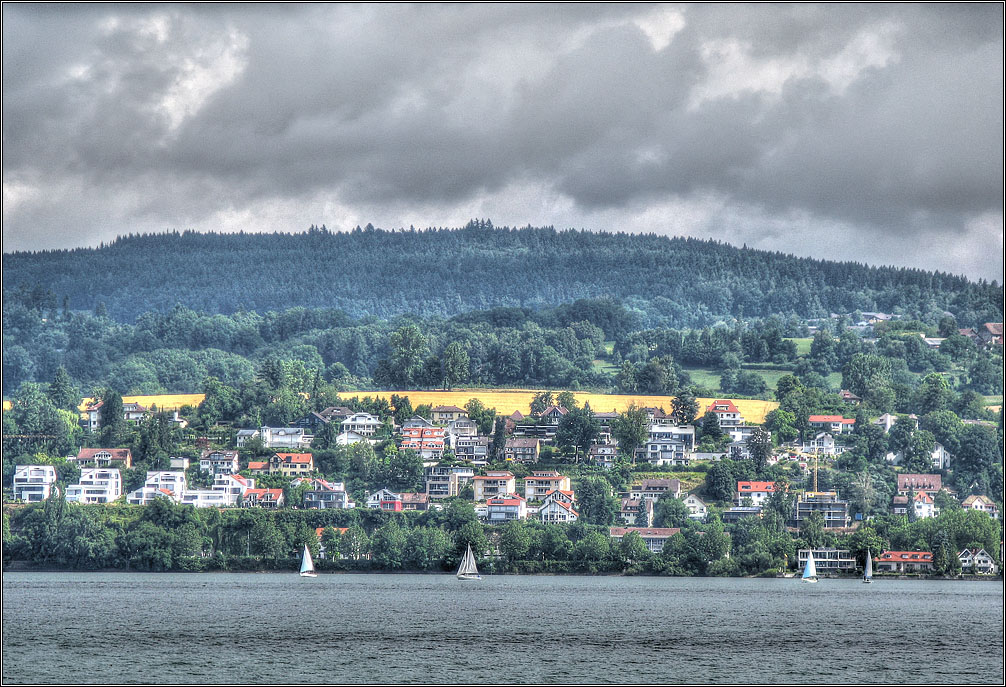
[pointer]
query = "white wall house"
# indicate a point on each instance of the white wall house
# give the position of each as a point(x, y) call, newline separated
point(276, 437)
point(364, 424)
point(33, 483)
point(159, 484)
point(97, 485)
point(225, 492)
point(218, 462)
point(558, 506)
point(697, 509)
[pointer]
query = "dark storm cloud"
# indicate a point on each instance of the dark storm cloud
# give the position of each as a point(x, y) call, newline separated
point(880, 123)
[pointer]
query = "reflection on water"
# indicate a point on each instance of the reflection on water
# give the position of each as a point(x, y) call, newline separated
point(275, 628)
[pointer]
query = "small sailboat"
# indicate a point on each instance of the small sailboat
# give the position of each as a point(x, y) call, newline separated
point(307, 564)
point(468, 570)
point(810, 570)
point(868, 570)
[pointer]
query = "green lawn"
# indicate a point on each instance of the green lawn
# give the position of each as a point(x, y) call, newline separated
point(703, 377)
point(802, 345)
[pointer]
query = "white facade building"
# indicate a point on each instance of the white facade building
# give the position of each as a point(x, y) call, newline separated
point(33, 483)
point(97, 485)
point(159, 484)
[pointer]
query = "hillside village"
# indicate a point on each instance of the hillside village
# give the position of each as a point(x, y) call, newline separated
point(645, 476)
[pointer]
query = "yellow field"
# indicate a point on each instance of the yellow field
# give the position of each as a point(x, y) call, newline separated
point(162, 401)
point(507, 401)
point(7, 406)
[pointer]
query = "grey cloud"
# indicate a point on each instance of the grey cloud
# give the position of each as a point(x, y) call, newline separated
point(399, 107)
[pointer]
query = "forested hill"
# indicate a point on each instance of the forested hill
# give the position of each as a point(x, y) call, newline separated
point(671, 281)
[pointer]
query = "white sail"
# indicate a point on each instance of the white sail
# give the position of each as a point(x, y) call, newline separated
point(810, 570)
point(468, 570)
point(307, 564)
point(868, 574)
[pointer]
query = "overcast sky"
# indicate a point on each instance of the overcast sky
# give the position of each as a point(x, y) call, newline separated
point(853, 132)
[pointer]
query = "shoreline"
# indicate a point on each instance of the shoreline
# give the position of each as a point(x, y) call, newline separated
point(21, 567)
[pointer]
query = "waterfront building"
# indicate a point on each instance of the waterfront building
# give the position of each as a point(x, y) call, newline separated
point(33, 483)
point(97, 485)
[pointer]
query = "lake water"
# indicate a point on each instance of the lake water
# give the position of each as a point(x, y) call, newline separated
point(281, 629)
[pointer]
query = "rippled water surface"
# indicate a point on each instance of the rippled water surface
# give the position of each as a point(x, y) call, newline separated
point(280, 628)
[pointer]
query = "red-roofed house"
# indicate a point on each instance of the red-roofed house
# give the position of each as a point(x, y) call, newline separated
point(558, 506)
point(258, 467)
point(991, 334)
point(104, 458)
point(727, 413)
point(263, 498)
point(552, 415)
point(494, 483)
point(904, 561)
point(637, 512)
point(909, 483)
point(428, 442)
point(291, 464)
point(506, 507)
point(758, 492)
point(654, 537)
point(923, 505)
point(131, 412)
point(836, 424)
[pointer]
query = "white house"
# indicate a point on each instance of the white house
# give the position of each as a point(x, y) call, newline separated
point(349, 438)
point(276, 437)
point(558, 506)
point(97, 485)
point(835, 424)
point(655, 488)
point(653, 537)
point(924, 505)
point(226, 491)
point(668, 445)
point(697, 509)
point(982, 503)
point(206, 498)
point(823, 443)
point(168, 484)
point(539, 483)
point(940, 457)
point(33, 483)
point(219, 462)
point(506, 507)
point(977, 561)
point(758, 492)
point(494, 483)
point(726, 413)
point(364, 424)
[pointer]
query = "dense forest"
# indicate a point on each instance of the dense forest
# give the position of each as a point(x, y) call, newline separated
point(663, 282)
point(588, 344)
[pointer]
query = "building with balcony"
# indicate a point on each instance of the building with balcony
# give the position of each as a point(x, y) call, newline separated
point(33, 483)
point(540, 482)
point(828, 560)
point(97, 485)
point(827, 503)
point(163, 484)
point(219, 462)
point(494, 483)
point(653, 537)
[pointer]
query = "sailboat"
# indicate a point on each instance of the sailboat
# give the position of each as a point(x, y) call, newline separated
point(868, 572)
point(467, 570)
point(306, 564)
point(810, 570)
